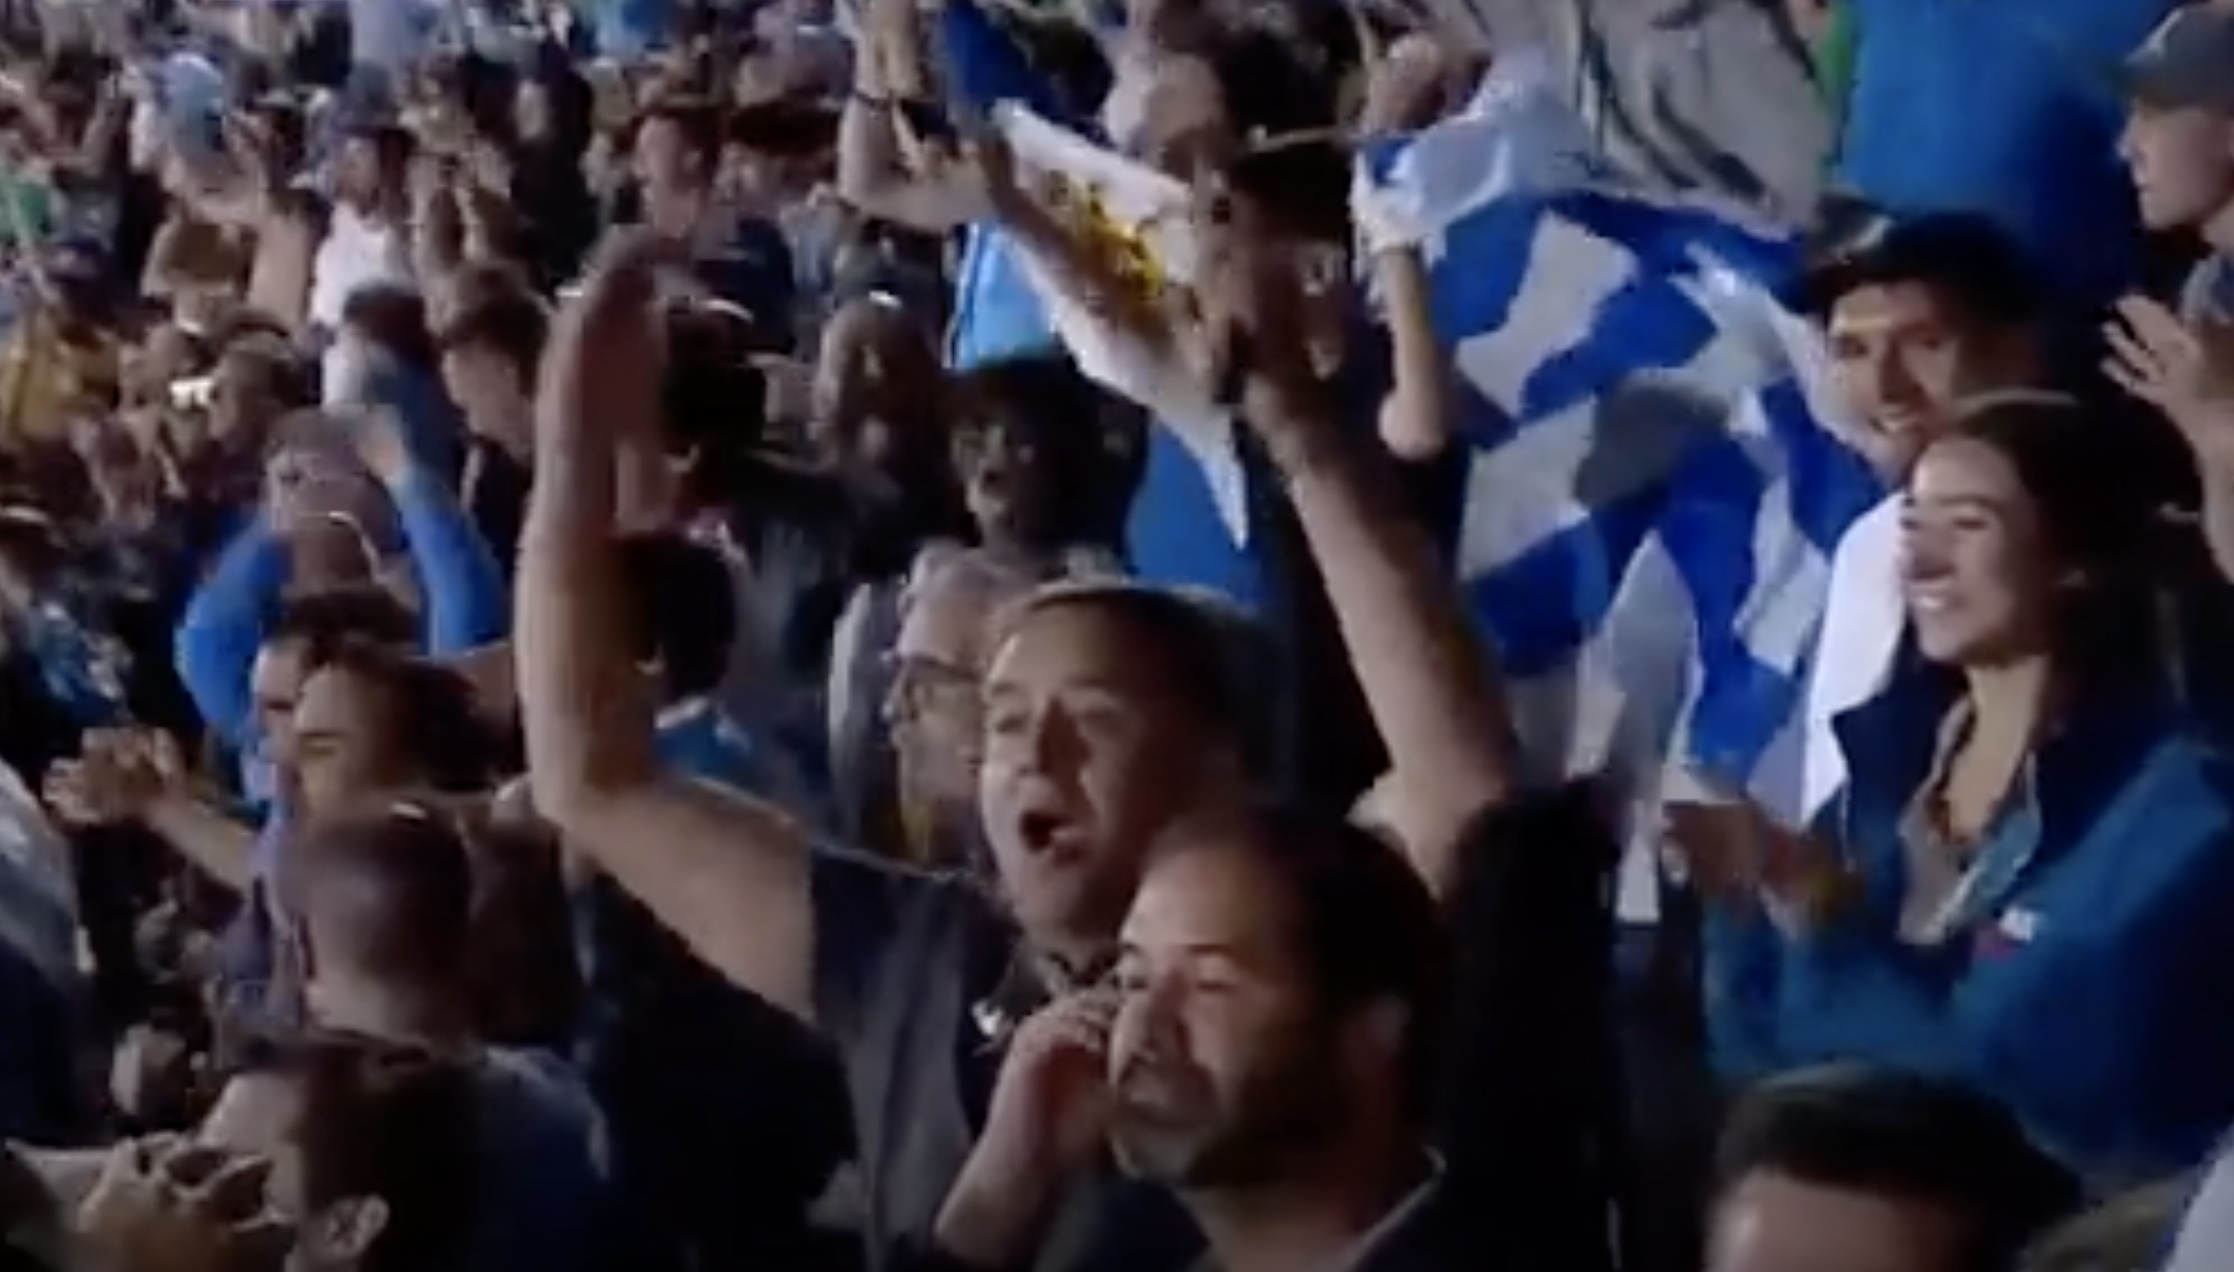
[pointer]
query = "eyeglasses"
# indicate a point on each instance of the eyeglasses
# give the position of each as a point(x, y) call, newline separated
point(923, 685)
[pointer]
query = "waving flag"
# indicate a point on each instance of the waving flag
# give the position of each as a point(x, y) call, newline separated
point(1653, 498)
point(1134, 217)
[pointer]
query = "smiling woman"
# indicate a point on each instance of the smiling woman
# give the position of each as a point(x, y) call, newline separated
point(2035, 831)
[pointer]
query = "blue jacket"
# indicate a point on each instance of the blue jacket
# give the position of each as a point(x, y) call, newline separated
point(2086, 978)
point(225, 621)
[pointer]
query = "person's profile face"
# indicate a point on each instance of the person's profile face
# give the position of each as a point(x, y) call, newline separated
point(1082, 763)
point(275, 682)
point(1220, 1065)
point(2182, 161)
point(935, 706)
point(1976, 570)
point(1770, 1222)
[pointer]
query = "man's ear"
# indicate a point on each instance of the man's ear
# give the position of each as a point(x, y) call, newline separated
point(344, 1231)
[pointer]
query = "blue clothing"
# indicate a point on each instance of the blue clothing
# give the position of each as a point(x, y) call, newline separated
point(224, 624)
point(2006, 108)
point(755, 273)
point(704, 741)
point(2087, 962)
point(1174, 536)
point(547, 1203)
point(432, 429)
point(996, 313)
point(628, 28)
point(985, 66)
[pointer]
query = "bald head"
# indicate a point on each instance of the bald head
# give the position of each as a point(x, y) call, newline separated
point(385, 897)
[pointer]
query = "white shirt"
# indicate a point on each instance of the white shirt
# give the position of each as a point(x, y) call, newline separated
point(1862, 625)
point(357, 252)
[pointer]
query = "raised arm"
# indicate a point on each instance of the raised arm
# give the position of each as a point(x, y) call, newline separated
point(1424, 671)
point(874, 173)
point(224, 625)
point(464, 585)
point(727, 874)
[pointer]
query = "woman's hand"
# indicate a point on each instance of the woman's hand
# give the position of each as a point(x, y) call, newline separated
point(1730, 851)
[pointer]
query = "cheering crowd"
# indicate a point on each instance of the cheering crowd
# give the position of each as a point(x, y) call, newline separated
point(596, 672)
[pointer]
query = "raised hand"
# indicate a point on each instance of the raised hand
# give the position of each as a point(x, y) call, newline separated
point(118, 776)
point(1248, 336)
point(376, 435)
point(2184, 370)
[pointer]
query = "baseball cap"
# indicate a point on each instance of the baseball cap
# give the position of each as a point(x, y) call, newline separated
point(2187, 63)
point(1961, 253)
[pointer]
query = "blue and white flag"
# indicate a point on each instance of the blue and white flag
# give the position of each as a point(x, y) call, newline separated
point(1653, 495)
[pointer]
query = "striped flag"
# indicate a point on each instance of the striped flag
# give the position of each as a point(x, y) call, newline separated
point(1653, 495)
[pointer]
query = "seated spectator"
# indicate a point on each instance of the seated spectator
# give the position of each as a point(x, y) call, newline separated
point(2020, 883)
point(1850, 1168)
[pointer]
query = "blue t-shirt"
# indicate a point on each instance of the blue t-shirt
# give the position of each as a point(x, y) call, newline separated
point(996, 312)
point(2005, 108)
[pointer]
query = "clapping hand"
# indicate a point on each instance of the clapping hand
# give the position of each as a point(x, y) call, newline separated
point(118, 776)
point(2185, 370)
point(1728, 848)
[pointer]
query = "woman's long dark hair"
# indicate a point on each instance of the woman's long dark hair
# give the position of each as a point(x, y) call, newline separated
point(2101, 524)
